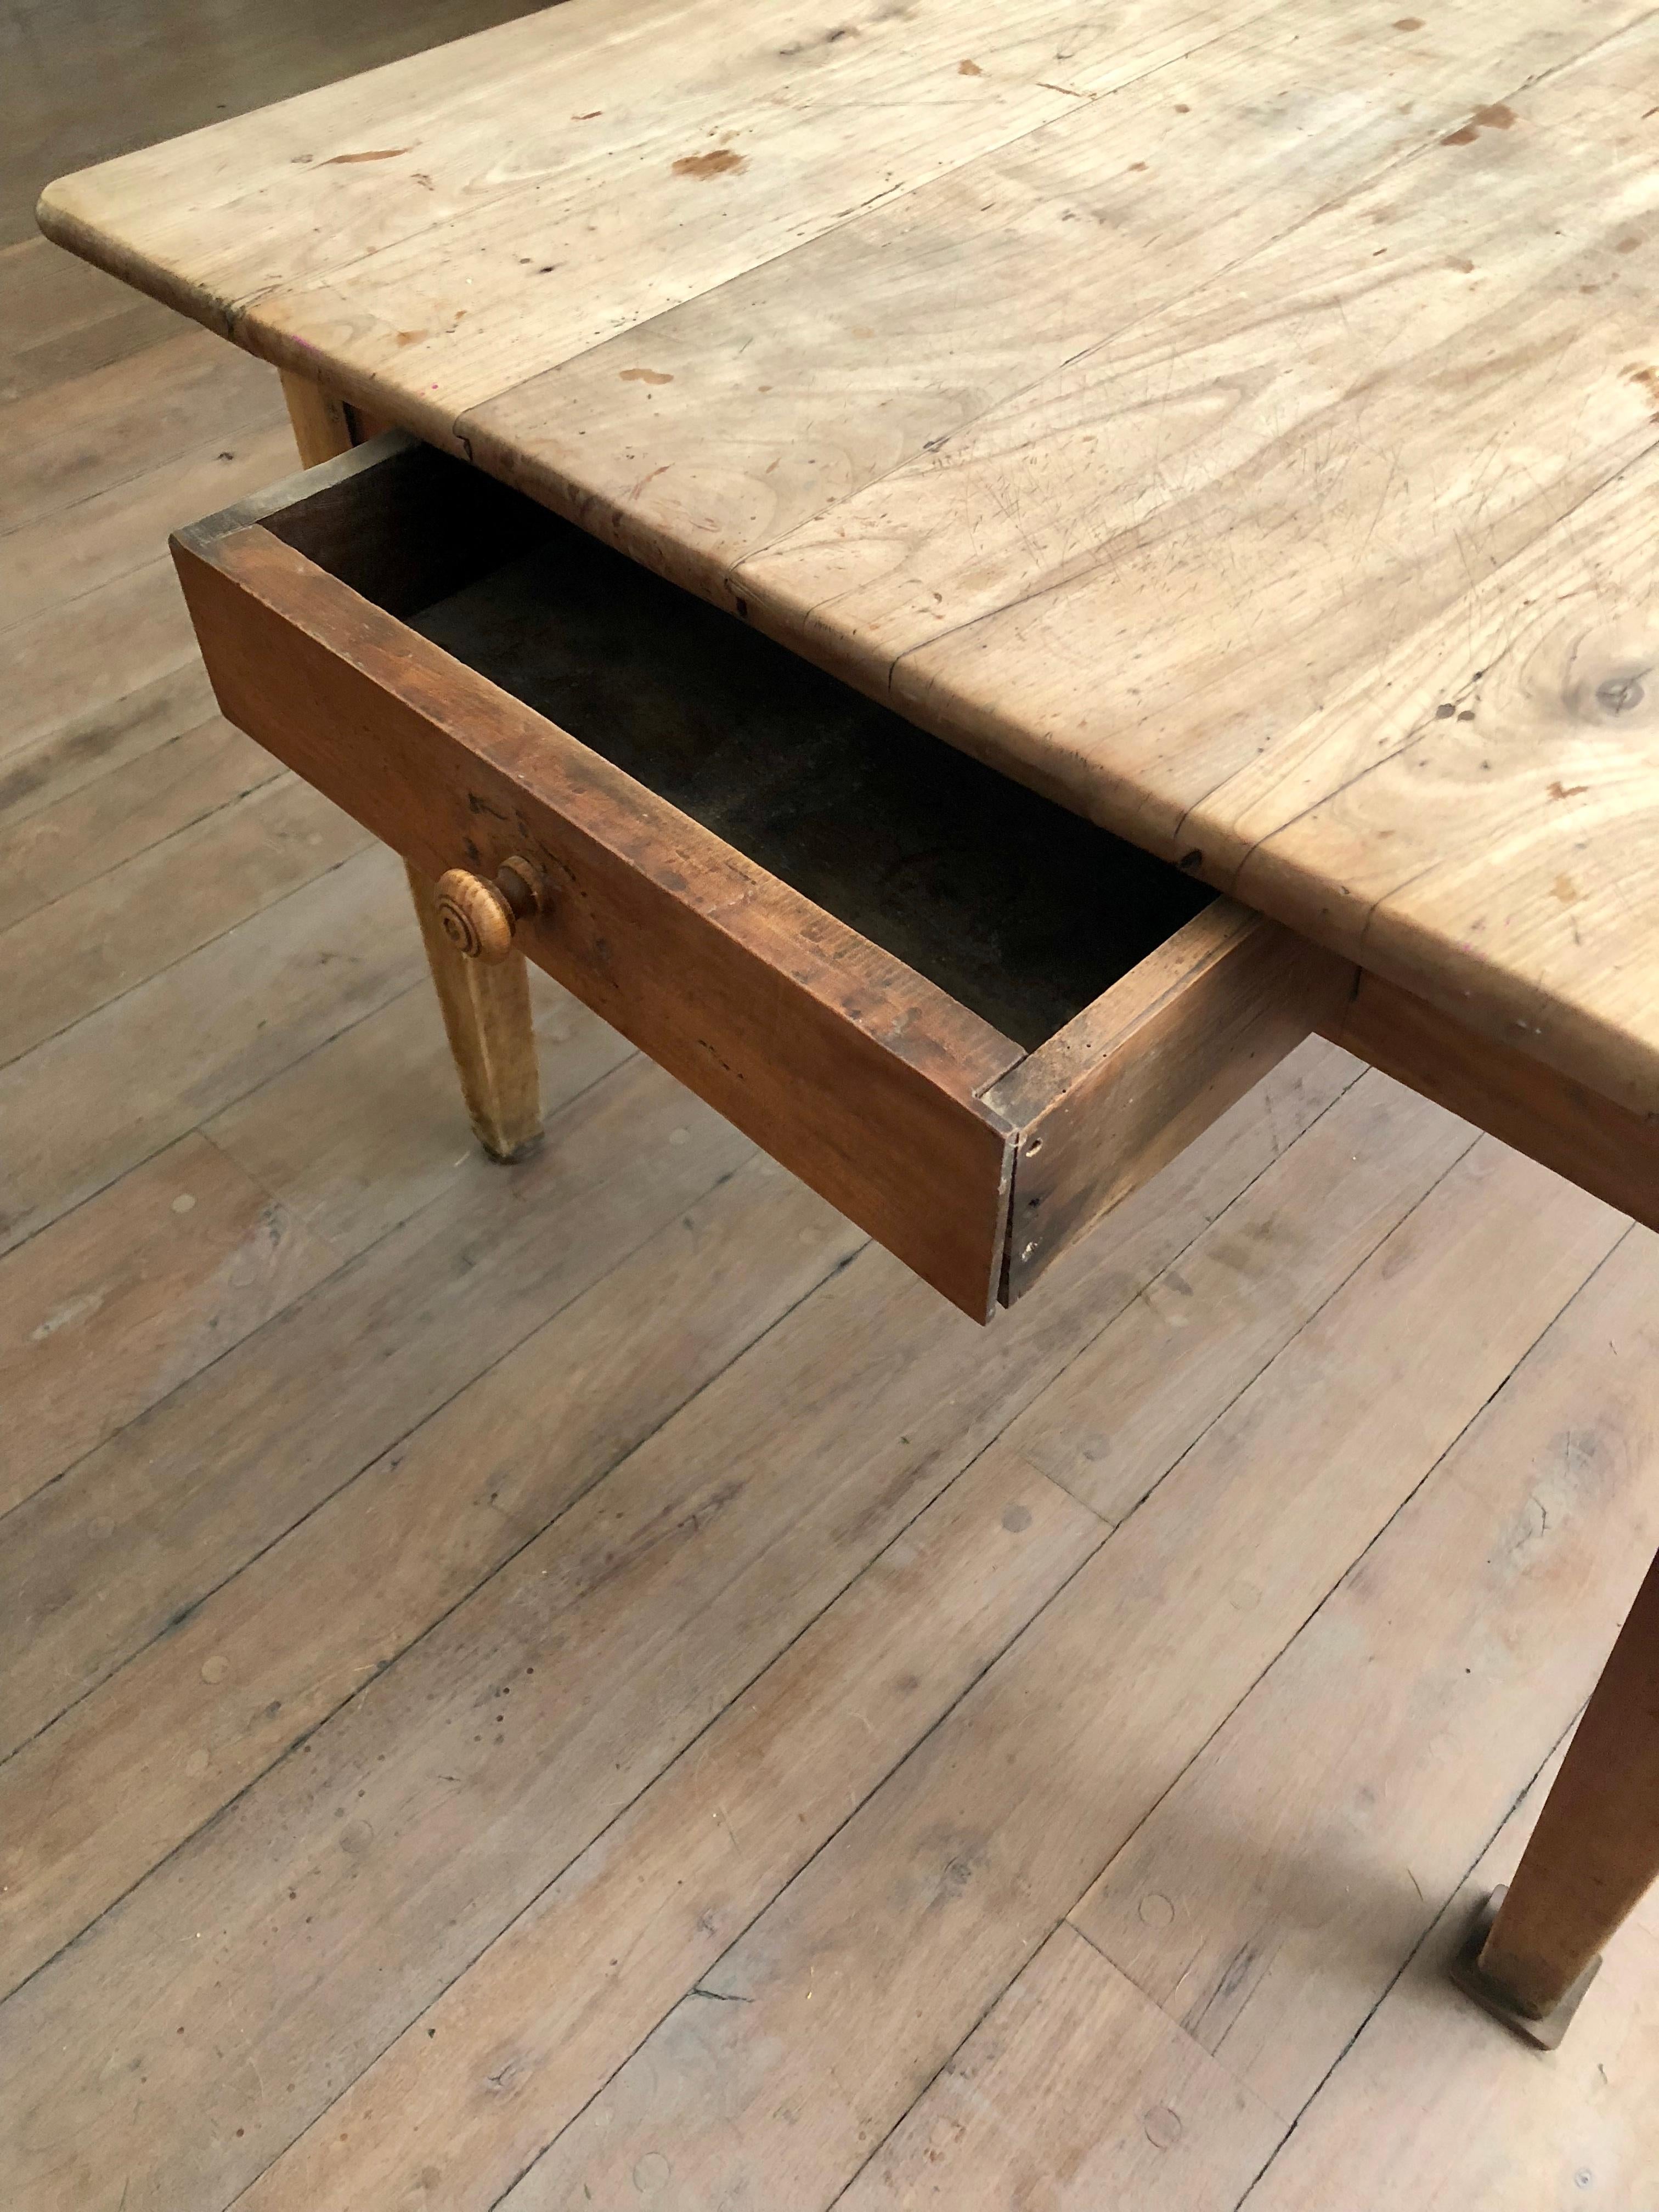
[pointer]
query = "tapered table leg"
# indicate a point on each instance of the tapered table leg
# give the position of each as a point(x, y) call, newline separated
point(1594, 1850)
point(486, 1010)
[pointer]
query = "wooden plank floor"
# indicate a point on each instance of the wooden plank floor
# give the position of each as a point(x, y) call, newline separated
point(582, 1685)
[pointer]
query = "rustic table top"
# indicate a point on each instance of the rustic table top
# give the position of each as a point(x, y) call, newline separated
point(1238, 420)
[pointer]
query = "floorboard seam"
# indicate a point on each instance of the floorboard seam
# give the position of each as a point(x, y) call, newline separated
point(431, 1626)
point(223, 1105)
point(1301, 1328)
point(684, 1752)
point(254, 913)
point(348, 1259)
point(1452, 1995)
point(1065, 1918)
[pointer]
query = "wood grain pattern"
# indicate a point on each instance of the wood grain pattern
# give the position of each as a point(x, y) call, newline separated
point(76, 838)
point(1173, 1361)
point(197, 1036)
point(1233, 607)
point(1074, 2091)
point(106, 1311)
point(1595, 1852)
point(738, 153)
point(60, 321)
point(66, 1624)
point(1268, 1922)
point(1488, 2125)
point(79, 952)
point(302, 1133)
point(75, 442)
point(934, 1393)
point(707, 433)
point(321, 423)
point(282, 2021)
point(57, 731)
point(1332, 423)
point(734, 1525)
point(721, 1829)
point(868, 1972)
point(57, 558)
point(1602, 1146)
point(97, 1799)
point(487, 1020)
point(1117, 1093)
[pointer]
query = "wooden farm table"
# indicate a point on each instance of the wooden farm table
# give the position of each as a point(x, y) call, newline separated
point(1234, 423)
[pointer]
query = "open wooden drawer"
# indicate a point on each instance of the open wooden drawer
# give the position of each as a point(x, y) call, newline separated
point(970, 1019)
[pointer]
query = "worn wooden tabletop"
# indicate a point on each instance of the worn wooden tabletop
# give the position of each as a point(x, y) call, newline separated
point(1238, 420)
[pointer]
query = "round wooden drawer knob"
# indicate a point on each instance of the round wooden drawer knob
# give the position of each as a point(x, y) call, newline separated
point(478, 916)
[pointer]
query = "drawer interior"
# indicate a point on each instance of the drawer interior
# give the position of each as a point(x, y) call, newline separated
point(1018, 908)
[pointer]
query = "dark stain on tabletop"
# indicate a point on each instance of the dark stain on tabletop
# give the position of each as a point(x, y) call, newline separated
point(1647, 380)
point(1498, 117)
point(721, 162)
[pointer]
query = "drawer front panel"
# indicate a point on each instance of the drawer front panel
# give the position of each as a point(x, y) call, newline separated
point(847, 1067)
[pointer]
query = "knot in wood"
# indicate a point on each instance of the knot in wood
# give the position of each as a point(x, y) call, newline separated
point(1620, 695)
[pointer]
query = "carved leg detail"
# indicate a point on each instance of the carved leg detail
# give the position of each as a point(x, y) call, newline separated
point(486, 1012)
point(1594, 1850)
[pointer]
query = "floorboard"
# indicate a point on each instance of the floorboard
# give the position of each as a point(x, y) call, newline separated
point(126, 812)
point(1074, 2091)
point(584, 1685)
point(867, 1973)
point(1430, 2107)
point(1459, 1646)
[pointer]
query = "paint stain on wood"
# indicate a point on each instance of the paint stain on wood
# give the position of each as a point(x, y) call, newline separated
point(969, 69)
point(722, 162)
point(1498, 117)
point(644, 376)
point(1408, 22)
point(1565, 890)
point(1559, 790)
point(1627, 246)
point(1647, 380)
point(1462, 265)
point(375, 154)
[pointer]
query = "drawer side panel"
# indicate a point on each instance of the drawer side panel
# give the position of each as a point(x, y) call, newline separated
point(1146, 1069)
